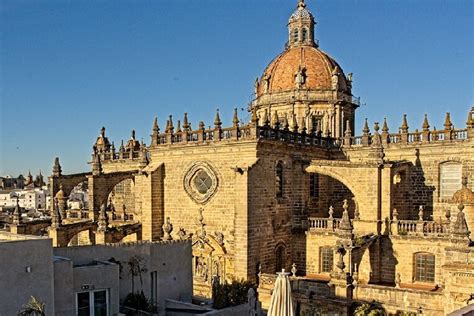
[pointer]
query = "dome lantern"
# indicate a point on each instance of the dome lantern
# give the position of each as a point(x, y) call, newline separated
point(301, 27)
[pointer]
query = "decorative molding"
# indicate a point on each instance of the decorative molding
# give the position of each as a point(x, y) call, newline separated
point(209, 181)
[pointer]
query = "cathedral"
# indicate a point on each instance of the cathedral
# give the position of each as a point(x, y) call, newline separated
point(384, 216)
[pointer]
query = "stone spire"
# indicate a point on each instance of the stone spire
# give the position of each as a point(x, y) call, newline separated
point(56, 219)
point(404, 127)
point(57, 170)
point(345, 226)
point(170, 126)
point(303, 126)
point(286, 125)
point(366, 129)
point(178, 129)
point(470, 120)
point(155, 132)
point(448, 125)
point(17, 213)
point(121, 150)
point(301, 27)
point(265, 119)
point(348, 131)
point(103, 220)
point(460, 228)
point(217, 120)
point(96, 163)
point(254, 118)
point(294, 124)
point(186, 126)
point(235, 119)
point(385, 126)
point(426, 125)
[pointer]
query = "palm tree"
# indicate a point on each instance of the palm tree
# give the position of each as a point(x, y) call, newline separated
point(34, 307)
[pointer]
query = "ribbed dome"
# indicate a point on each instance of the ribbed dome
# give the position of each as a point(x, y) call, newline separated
point(318, 67)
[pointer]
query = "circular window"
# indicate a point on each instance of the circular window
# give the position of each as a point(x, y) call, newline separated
point(200, 182)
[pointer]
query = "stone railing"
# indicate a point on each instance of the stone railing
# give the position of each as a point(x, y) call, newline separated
point(407, 138)
point(420, 228)
point(323, 224)
point(246, 132)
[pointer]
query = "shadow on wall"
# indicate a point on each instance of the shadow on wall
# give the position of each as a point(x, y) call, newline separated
point(410, 191)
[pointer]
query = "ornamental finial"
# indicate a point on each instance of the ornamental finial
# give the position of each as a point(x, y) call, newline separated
point(301, 4)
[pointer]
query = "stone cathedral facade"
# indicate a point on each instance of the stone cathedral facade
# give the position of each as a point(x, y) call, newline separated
point(383, 216)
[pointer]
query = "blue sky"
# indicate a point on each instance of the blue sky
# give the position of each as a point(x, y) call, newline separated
point(70, 67)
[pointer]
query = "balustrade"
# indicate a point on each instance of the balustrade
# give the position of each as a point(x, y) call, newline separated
point(323, 224)
point(420, 228)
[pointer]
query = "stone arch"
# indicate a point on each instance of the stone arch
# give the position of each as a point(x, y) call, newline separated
point(363, 180)
point(62, 235)
point(82, 238)
point(67, 183)
point(334, 193)
point(103, 184)
point(122, 232)
point(121, 201)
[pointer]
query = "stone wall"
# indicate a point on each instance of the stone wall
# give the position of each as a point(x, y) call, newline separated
point(23, 276)
point(174, 281)
point(270, 216)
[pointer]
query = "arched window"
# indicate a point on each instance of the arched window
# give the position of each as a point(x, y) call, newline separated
point(305, 35)
point(280, 262)
point(295, 35)
point(424, 267)
point(279, 179)
point(326, 259)
point(449, 179)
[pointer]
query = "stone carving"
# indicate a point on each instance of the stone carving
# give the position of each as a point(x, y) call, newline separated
point(300, 77)
point(293, 270)
point(460, 227)
point(340, 263)
point(398, 280)
point(331, 212)
point(395, 215)
point(201, 268)
point(420, 213)
point(103, 221)
point(464, 195)
point(252, 302)
point(200, 182)
point(266, 83)
point(219, 238)
point(167, 229)
point(182, 234)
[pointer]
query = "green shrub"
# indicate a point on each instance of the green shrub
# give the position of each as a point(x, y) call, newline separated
point(370, 309)
point(138, 301)
point(230, 294)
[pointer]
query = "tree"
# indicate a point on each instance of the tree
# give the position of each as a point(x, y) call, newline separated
point(230, 294)
point(34, 307)
point(370, 309)
point(136, 266)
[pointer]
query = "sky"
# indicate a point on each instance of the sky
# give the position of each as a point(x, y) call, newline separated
point(67, 68)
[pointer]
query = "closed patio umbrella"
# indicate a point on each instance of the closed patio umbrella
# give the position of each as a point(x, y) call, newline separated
point(281, 303)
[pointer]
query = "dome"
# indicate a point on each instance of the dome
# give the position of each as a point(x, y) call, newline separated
point(314, 67)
